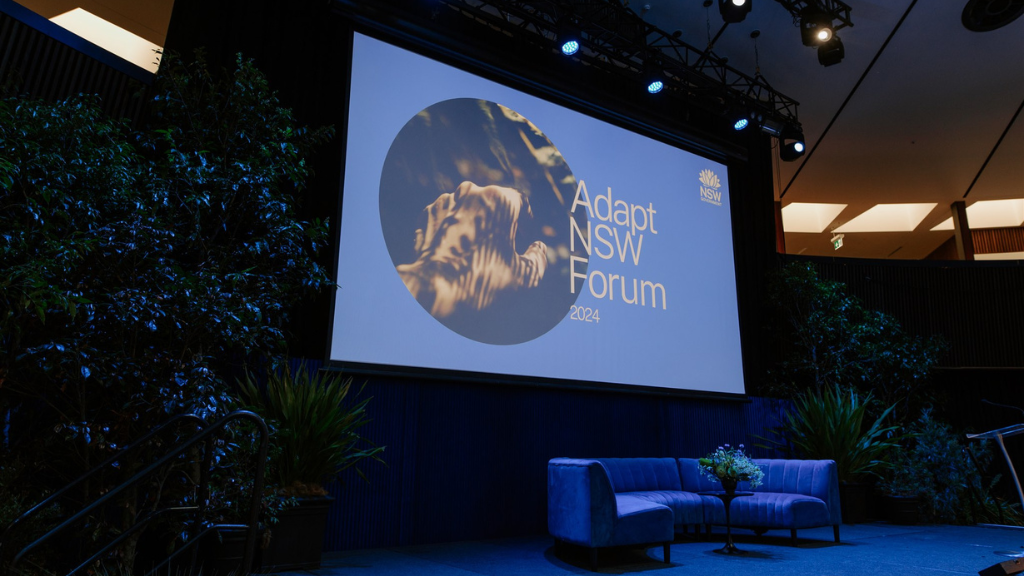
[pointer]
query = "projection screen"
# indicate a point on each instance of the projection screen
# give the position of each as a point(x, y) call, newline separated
point(490, 232)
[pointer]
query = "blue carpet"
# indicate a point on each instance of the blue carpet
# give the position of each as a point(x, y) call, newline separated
point(873, 549)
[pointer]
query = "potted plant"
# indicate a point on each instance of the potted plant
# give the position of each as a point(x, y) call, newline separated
point(831, 425)
point(315, 437)
point(903, 482)
point(730, 466)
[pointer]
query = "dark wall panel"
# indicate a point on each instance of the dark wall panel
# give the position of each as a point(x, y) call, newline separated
point(469, 460)
point(977, 307)
point(42, 60)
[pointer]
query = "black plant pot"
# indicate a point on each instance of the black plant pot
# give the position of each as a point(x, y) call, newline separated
point(219, 554)
point(903, 509)
point(853, 502)
point(296, 541)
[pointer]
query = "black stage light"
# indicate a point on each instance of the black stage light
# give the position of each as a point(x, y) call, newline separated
point(791, 144)
point(831, 52)
point(733, 11)
point(815, 27)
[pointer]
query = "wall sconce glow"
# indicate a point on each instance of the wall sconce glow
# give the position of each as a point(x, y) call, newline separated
point(809, 217)
point(889, 218)
point(111, 38)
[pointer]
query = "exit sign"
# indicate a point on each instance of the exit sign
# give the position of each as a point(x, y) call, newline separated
point(837, 242)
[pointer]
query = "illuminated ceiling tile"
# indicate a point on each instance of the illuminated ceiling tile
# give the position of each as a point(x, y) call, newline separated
point(1000, 256)
point(996, 213)
point(110, 37)
point(889, 218)
point(808, 217)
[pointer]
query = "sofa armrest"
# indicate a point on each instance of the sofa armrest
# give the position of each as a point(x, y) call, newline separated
point(581, 503)
point(818, 478)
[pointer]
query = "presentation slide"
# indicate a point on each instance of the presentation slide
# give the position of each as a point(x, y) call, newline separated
point(489, 231)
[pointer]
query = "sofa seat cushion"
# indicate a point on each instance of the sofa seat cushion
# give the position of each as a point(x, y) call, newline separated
point(686, 506)
point(641, 521)
point(769, 510)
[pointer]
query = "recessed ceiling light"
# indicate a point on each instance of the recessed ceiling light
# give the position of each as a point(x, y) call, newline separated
point(809, 217)
point(889, 218)
point(110, 37)
point(990, 214)
point(996, 213)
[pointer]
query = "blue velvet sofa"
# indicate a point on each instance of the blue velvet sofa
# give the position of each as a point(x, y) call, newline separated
point(585, 509)
point(794, 494)
point(603, 502)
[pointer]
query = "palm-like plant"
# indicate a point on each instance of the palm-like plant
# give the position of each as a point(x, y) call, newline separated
point(831, 425)
point(316, 429)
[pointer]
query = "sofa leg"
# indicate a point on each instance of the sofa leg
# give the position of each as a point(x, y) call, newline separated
point(593, 559)
point(792, 536)
point(667, 547)
point(835, 531)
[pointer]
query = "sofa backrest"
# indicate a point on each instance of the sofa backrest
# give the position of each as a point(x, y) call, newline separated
point(817, 478)
point(641, 474)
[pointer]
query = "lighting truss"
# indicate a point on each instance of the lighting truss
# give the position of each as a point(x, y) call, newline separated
point(616, 39)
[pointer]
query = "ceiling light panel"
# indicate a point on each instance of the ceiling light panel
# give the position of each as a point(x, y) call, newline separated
point(110, 37)
point(996, 213)
point(889, 218)
point(809, 217)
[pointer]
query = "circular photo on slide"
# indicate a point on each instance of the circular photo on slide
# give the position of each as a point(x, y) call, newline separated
point(475, 209)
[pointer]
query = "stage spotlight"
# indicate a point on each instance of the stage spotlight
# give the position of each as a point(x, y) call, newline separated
point(831, 52)
point(741, 124)
point(733, 11)
point(654, 78)
point(791, 144)
point(815, 27)
point(568, 39)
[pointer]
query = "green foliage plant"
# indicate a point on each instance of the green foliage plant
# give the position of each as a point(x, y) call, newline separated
point(834, 425)
point(830, 338)
point(143, 268)
point(316, 426)
point(945, 472)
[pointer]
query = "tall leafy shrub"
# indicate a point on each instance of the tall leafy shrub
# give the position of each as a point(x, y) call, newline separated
point(141, 268)
point(828, 338)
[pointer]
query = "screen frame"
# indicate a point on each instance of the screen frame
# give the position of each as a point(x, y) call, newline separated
point(447, 55)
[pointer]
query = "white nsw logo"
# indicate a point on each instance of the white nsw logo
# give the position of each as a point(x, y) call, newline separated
point(710, 188)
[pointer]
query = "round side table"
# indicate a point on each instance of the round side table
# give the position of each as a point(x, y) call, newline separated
point(727, 498)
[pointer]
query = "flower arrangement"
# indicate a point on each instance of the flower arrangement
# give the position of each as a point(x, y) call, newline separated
point(730, 465)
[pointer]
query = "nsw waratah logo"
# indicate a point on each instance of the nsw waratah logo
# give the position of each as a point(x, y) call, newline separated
point(710, 188)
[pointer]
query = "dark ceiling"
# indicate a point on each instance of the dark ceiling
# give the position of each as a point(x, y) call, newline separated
point(911, 120)
point(911, 115)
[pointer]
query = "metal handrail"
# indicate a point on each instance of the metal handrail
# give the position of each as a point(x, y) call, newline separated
point(254, 505)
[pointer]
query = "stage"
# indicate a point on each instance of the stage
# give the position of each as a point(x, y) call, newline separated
point(871, 549)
